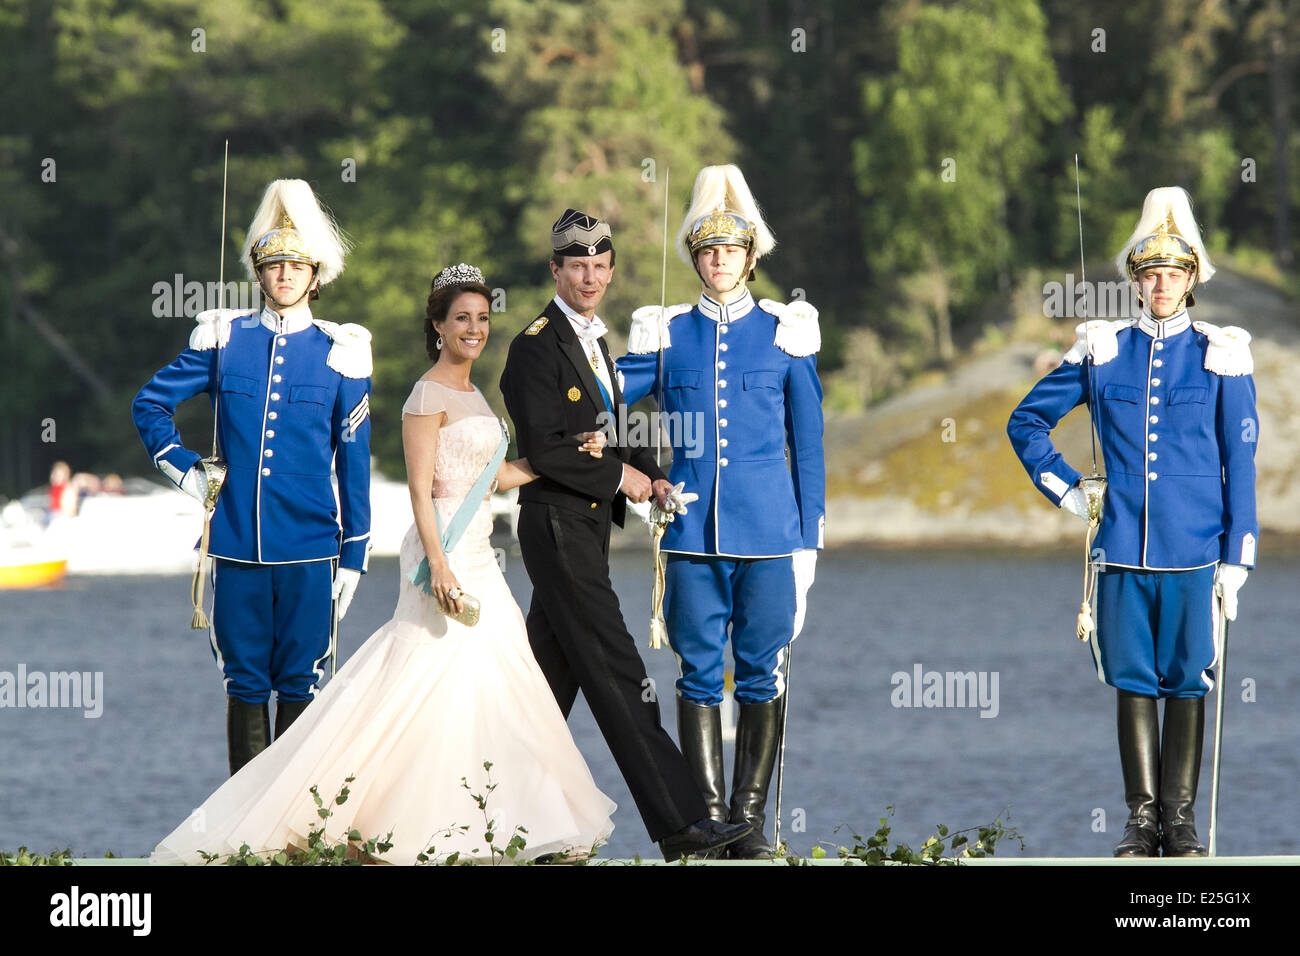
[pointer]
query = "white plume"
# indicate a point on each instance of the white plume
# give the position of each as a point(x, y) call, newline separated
point(1160, 202)
point(316, 226)
point(726, 186)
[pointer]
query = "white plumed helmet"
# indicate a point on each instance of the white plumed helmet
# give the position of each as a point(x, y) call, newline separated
point(1166, 235)
point(291, 226)
point(723, 212)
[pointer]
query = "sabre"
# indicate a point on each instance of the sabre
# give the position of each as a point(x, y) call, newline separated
point(658, 630)
point(663, 304)
point(780, 758)
point(1218, 737)
point(334, 631)
point(1087, 343)
point(212, 467)
point(1094, 485)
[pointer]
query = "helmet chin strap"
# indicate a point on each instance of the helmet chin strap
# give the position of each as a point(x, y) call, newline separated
point(746, 273)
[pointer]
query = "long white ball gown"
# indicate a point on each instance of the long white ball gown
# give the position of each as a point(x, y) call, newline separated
point(421, 705)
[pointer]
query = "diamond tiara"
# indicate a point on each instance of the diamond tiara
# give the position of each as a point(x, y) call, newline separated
point(457, 275)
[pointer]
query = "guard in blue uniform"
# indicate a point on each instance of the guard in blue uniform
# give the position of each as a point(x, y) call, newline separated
point(737, 386)
point(292, 402)
point(1173, 403)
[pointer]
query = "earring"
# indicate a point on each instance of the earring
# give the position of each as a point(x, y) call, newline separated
point(438, 344)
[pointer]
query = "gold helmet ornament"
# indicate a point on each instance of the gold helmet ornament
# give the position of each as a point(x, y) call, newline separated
point(1166, 235)
point(720, 228)
point(291, 226)
point(284, 244)
point(723, 212)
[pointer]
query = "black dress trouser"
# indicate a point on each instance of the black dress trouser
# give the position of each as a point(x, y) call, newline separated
point(576, 630)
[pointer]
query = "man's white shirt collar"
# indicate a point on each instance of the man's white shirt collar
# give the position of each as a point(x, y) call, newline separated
point(272, 320)
point(731, 312)
point(586, 328)
point(1158, 329)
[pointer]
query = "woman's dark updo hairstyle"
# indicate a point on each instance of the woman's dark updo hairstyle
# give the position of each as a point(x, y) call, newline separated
point(440, 301)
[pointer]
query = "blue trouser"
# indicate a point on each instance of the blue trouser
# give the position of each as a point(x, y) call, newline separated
point(755, 597)
point(1156, 631)
point(271, 628)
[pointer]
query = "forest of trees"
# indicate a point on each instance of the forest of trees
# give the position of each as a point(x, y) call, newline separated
point(914, 158)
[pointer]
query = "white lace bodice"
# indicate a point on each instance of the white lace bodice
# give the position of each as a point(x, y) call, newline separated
point(466, 442)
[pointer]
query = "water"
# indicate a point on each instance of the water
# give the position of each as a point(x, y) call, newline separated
point(123, 780)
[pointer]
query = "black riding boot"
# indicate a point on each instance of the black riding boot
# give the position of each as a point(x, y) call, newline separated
point(699, 728)
point(758, 732)
point(248, 731)
point(286, 712)
point(1139, 757)
point(1180, 768)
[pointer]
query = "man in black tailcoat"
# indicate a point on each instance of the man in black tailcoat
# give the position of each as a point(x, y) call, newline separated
point(558, 382)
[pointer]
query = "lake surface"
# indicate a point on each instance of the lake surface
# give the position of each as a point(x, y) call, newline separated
point(1044, 756)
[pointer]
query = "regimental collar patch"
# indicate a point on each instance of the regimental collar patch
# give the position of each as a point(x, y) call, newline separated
point(731, 312)
point(285, 325)
point(1163, 329)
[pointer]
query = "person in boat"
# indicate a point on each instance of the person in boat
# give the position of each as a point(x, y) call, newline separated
point(1173, 403)
point(292, 400)
point(740, 562)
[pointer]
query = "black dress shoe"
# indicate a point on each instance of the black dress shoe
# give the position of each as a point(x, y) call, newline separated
point(701, 835)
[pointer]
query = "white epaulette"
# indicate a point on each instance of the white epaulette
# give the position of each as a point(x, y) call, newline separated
point(1101, 335)
point(212, 328)
point(797, 331)
point(350, 353)
point(649, 332)
point(1228, 352)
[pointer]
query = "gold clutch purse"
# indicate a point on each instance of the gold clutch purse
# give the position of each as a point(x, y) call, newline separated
point(469, 616)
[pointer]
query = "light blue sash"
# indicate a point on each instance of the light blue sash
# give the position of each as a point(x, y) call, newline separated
point(419, 576)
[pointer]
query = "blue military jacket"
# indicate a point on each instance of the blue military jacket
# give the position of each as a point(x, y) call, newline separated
point(739, 386)
point(294, 398)
point(1175, 415)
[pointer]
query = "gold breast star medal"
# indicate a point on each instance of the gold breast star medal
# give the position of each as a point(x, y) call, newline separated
point(536, 327)
point(574, 394)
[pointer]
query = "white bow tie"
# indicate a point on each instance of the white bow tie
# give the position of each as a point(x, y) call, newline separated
point(593, 330)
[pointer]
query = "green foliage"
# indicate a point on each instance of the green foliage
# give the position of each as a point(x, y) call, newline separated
point(24, 857)
point(320, 850)
point(950, 134)
point(497, 855)
point(878, 850)
point(471, 126)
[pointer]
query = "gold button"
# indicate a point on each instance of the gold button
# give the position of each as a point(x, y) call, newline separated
point(593, 506)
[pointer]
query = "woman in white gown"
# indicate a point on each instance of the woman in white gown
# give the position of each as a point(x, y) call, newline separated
point(426, 700)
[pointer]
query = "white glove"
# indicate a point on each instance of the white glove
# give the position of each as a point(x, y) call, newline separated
point(194, 483)
point(1228, 580)
point(678, 499)
point(345, 586)
point(1076, 502)
point(805, 569)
